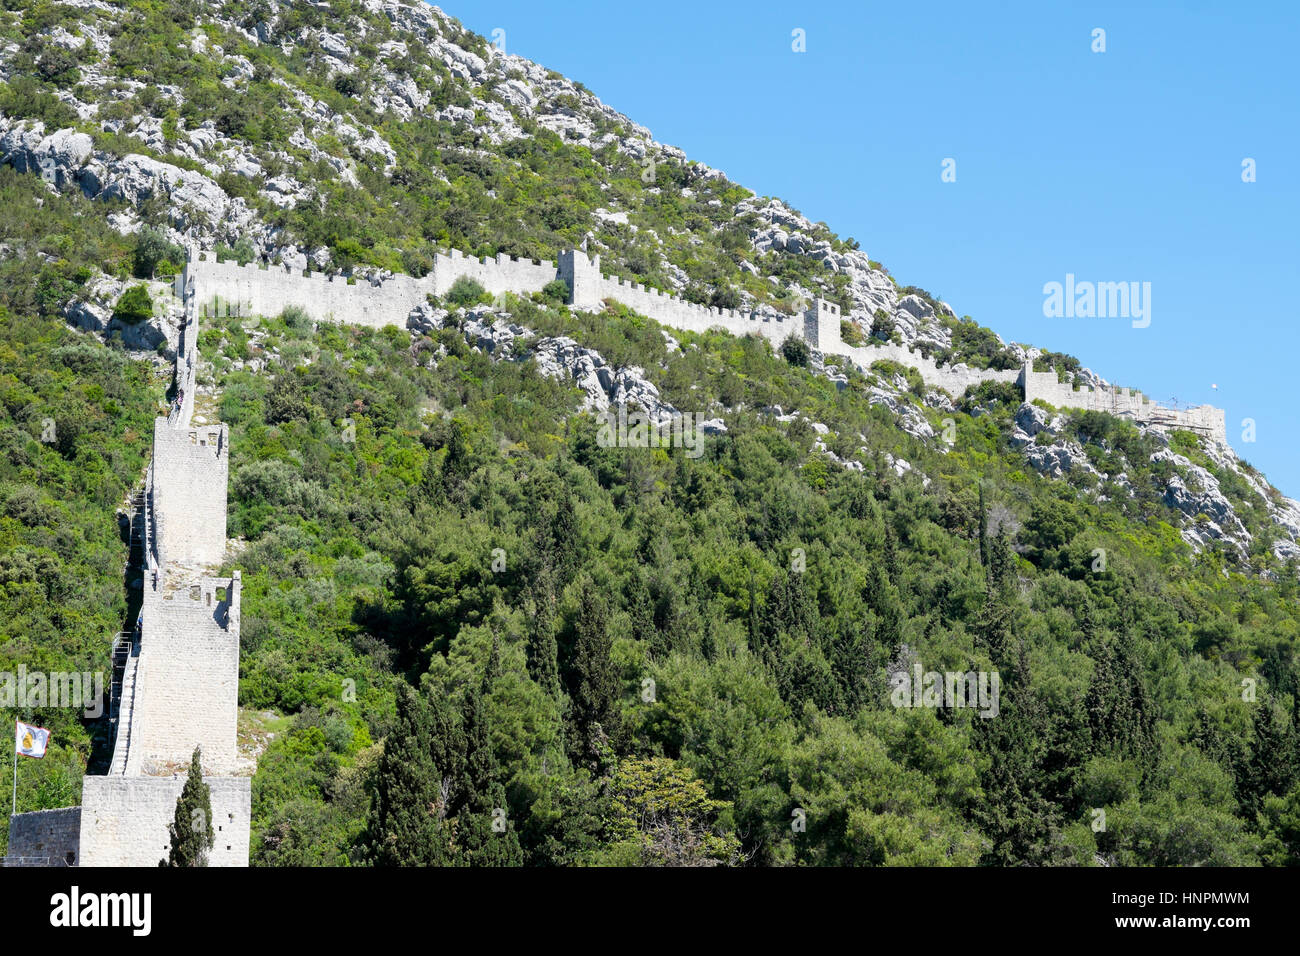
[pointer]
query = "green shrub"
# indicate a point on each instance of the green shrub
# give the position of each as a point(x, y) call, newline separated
point(242, 252)
point(297, 320)
point(882, 325)
point(795, 350)
point(557, 290)
point(466, 291)
point(134, 306)
point(152, 249)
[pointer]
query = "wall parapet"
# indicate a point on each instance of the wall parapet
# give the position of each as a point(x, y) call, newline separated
point(389, 303)
point(1121, 402)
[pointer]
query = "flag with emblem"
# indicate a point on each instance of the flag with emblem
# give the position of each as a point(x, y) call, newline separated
point(30, 741)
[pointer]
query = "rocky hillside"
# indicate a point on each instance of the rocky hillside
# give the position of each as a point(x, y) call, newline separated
point(359, 136)
point(1124, 580)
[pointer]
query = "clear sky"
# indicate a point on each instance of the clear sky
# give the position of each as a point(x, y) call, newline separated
point(1123, 165)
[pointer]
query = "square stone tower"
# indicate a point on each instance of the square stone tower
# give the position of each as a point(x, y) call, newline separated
point(583, 276)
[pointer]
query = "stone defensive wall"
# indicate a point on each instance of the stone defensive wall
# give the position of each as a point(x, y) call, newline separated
point(179, 686)
point(45, 838)
point(125, 819)
point(226, 288)
point(1124, 403)
point(254, 290)
point(187, 679)
point(589, 287)
point(190, 468)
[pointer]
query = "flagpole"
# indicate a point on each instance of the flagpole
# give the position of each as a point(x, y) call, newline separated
point(15, 811)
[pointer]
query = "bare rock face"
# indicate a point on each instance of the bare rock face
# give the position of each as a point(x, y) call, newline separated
point(67, 159)
point(92, 312)
point(1059, 459)
point(58, 157)
point(1030, 420)
point(1196, 493)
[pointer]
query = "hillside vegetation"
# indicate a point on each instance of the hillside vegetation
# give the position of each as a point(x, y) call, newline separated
point(484, 638)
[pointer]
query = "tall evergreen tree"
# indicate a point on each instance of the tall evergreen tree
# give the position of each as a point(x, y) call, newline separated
point(191, 830)
point(593, 681)
point(541, 652)
point(1121, 715)
point(1274, 763)
point(889, 554)
point(485, 834)
point(448, 747)
point(884, 600)
point(984, 529)
point(405, 829)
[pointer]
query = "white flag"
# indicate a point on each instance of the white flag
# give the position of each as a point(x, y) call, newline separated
point(30, 741)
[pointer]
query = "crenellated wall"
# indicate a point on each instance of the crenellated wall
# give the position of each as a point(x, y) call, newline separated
point(1123, 403)
point(263, 291)
point(589, 287)
point(497, 275)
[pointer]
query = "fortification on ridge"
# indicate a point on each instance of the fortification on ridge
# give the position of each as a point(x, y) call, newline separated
point(176, 675)
point(266, 290)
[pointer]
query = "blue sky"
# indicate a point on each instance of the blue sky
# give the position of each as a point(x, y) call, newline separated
point(1117, 166)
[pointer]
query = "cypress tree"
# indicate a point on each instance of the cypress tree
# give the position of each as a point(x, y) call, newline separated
point(542, 652)
point(1001, 563)
point(1271, 769)
point(447, 744)
point(984, 530)
point(1120, 714)
point(191, 830)
point(484, 831)
point(640, 608)
point(405, 828)
point(890, 554)
point(593, 679)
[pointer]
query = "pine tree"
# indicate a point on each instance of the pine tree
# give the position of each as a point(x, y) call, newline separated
point(191, 830)
point(405, 829)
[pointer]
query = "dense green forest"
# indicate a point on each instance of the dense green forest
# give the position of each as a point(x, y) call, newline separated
point(587, 655)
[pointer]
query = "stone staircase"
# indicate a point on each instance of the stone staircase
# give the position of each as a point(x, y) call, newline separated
point(126, 662)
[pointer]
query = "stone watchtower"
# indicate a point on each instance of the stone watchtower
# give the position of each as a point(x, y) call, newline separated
point(583, 276)
point(822, 325)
